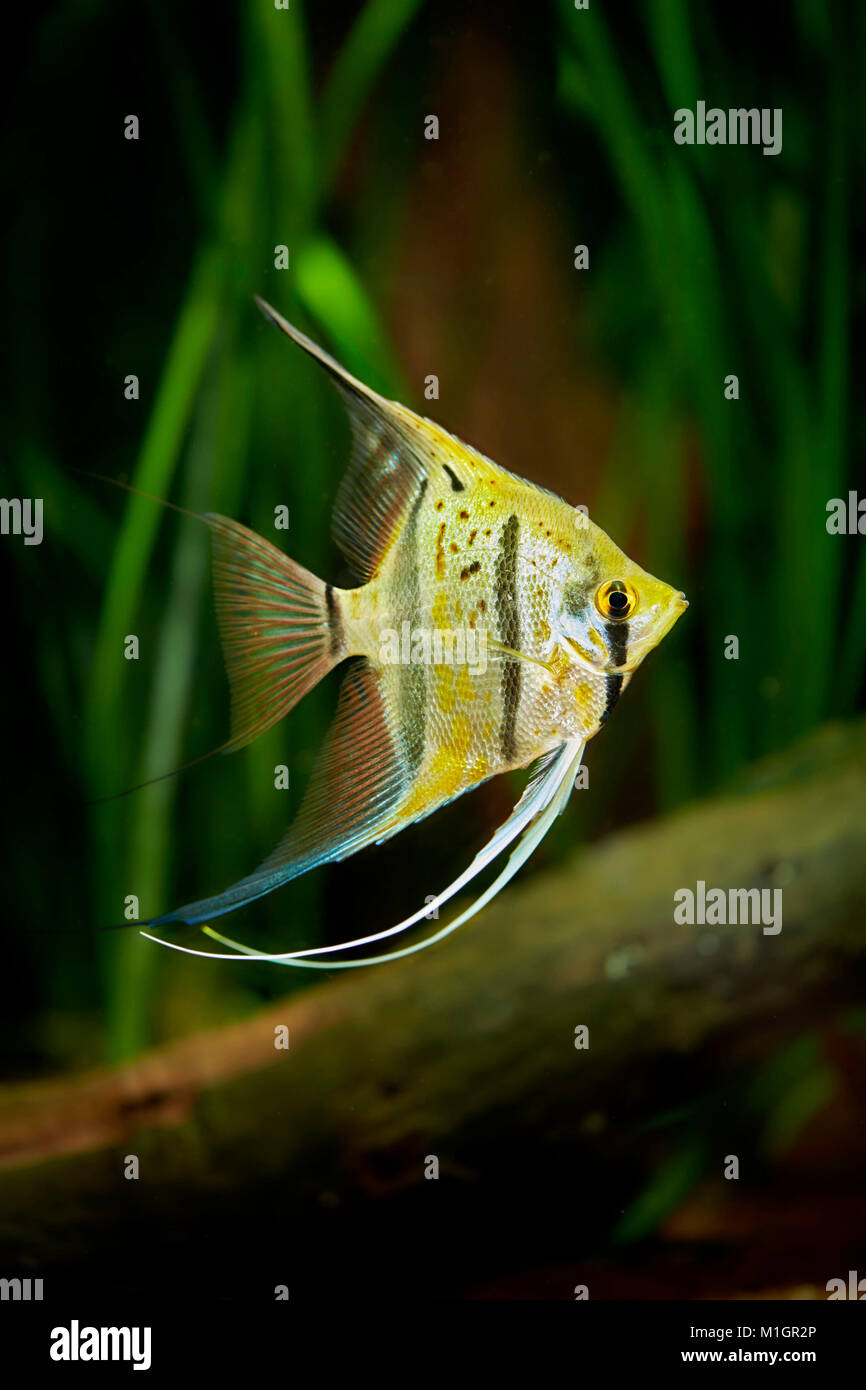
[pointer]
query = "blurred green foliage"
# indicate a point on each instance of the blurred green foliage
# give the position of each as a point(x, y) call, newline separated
point(297, 128)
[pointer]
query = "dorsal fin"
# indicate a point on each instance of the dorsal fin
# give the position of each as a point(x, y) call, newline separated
point(393, 452)
point(387, 468)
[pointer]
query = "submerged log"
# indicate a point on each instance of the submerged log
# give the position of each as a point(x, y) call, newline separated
point(312, 1166)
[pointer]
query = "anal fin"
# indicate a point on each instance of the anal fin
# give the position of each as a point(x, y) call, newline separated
point(544, 798)
point(357, 780)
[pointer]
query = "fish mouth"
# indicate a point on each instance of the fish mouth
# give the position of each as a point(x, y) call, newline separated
point(679, 607)
point(675, 611)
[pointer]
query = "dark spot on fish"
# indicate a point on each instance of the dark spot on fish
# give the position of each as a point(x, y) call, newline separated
point(454, 548)
point(472, 535)
point(440, 554)
point(470, 569)
point(575, 597)
point(439, 505)
point(456, 485)
point(334, 619)
point(482, 604)
point(464, 516)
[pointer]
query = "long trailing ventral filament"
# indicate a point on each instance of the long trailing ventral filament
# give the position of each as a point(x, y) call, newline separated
point(544, 799)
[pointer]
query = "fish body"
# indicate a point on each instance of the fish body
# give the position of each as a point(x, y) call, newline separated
point(492, 559)
point(494, 625)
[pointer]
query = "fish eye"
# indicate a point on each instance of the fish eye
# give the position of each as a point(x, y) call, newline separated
point(616, 600)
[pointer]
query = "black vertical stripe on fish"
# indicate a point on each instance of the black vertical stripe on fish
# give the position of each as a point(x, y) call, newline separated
point(456, 485)
point(613, 686)
point(509, 633)
point(334, 619)
point(412, 687)
point(617, 642)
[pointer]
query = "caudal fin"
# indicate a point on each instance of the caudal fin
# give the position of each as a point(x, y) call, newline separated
point(279, 624)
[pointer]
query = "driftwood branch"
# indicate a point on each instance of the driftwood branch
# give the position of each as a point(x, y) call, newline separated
point(306, 1167)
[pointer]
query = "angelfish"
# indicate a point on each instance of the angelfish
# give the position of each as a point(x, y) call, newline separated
point(444, 541)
